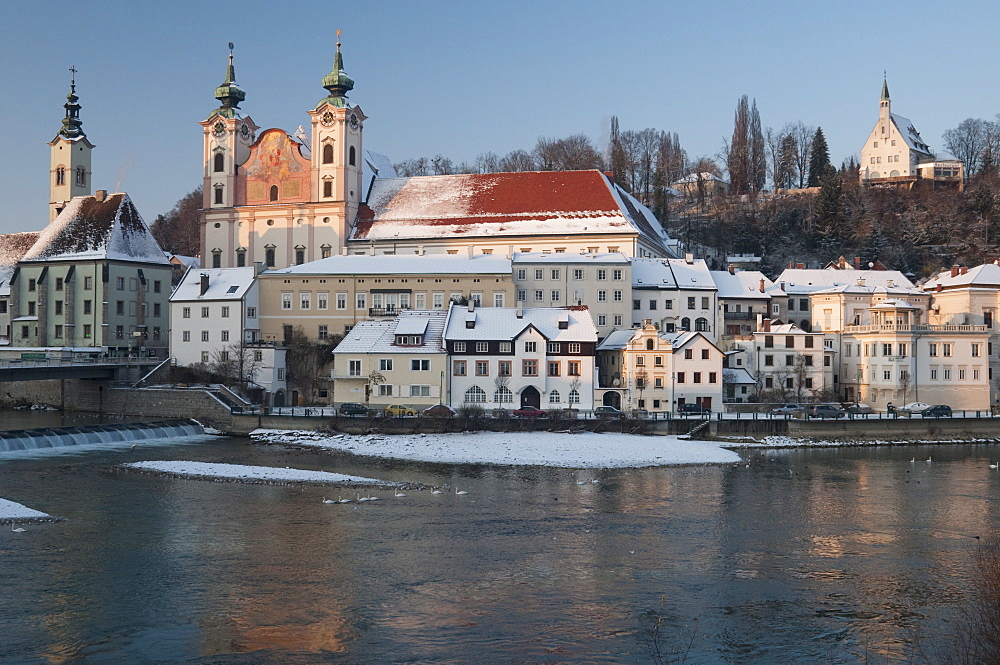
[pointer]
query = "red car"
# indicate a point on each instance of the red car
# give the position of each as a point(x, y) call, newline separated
point(528, 412)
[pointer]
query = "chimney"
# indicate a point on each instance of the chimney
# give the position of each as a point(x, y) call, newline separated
point(760, 321)
point(101, 194)
point(954, 270)
point(940, 287)
point(472, 305)
point(761, 287)
point(420, 250)
point(343, 250)
point(800, 266)
point(782, 286)
point(861, 281)
point(519, 312)
point(204, 283)
point(965, 270)
point(766, 325)
point(857, 263)
point(470, 251)
point(689, 258)
point(790, 265)
point(732, 269)
point(259, 267)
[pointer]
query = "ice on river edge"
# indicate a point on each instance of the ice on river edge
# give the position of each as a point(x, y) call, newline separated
point(15, 512)
point(243, 473)
point(554, 449)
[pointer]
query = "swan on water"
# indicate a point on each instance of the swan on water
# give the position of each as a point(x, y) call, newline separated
point(16, 529)
point(326, 500)
point(458, 491)
point(995, 466)
point(437, 491)
point(398, 493)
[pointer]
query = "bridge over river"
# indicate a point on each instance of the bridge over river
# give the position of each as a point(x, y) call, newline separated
point(108, 369)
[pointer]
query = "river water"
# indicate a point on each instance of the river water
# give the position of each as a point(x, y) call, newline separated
point(846, 555)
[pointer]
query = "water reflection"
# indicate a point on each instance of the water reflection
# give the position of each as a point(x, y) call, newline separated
point(802, 556)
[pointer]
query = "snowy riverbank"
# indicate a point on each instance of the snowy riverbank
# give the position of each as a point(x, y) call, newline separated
point(556, 449)
point(253, 474)
point(15, 512)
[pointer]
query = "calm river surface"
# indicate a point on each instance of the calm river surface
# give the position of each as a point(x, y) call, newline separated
point(847, 555)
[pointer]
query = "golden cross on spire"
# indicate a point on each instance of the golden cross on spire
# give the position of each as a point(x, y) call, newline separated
point(338, 38)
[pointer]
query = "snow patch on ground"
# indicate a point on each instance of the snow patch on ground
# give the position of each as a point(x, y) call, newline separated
point(15, 512)
point(556, 449)
point(252, 474)
point(777, 441)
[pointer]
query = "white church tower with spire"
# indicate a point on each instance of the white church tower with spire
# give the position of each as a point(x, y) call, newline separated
point(69, 156)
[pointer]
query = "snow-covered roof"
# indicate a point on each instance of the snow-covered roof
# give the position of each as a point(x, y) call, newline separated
point(12, 247)
point(671, 274)
point(181, 260)
point(374, 165)
point(691, 178)
point(477, 205)
point(502, 323)
point(380, 336)
point(785, 329)
point(986, 276)
point(737, 375)
point(90, 229)
point(539, 257)
point(744, 284)
point(619, 339)
point(894, 303)
point(223, 284)
point(401, 264)
point(910, 135)
point(869, 290)
point(809, 280)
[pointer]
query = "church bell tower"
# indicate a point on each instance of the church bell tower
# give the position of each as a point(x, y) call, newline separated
point(69, 162)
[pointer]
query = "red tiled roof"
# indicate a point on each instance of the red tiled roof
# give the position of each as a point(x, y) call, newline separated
point(524, 203)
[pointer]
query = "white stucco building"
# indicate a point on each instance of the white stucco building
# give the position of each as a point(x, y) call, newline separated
point(675, 294)
point(513, 357)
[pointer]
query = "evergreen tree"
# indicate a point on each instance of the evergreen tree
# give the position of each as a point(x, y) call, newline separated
point(819, 159)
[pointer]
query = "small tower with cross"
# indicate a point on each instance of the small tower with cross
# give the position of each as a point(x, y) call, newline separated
point(69, 163)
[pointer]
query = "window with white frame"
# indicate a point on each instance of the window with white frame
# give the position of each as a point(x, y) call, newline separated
point(420, 364)
point(505, 347)
point(286, 301)
point(305, 298)
point(322, 300)
point(475, 395)
point(384, 390)
point(459, 347)
point(554, 397)
point(498, 299)
point(438, 301)
point(420, 391)
point(225, 335)
point(482, 347)
point(529, 347)
point(186, 336)
point(385, 364)
point(204, 336)
point(361, 301)
point(503, 395)
point(354, 368)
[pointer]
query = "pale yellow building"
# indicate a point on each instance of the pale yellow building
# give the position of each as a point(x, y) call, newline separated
point(330, 296)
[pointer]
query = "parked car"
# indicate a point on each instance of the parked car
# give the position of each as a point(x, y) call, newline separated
point(439, 411)
point(826, 411)
point(937, 411)
point(693, 409)
point(859, 409)
point(399, 410)
point(608, 412)
point(353, 409)
point(528, 412)
point(788, 410)
point(914, 407)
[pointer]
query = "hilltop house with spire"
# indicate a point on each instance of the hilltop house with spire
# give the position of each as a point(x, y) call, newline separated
point(896, 155)
point(283, 199)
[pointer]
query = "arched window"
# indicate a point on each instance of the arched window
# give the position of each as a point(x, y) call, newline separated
point(574, 397)
point(218, 194)
point(328, 153)
point(81, 176)
point(701, 324)
point(241, 258)
point(216, 258)
point(554, 397)
point(269, 258)
point(60, 175)
point(685, 323)
point(475, 395)
point(274, 193)
point(220, 162)
point(351, 157)
point(503, 395)
point(649, 344)
point(300, 257)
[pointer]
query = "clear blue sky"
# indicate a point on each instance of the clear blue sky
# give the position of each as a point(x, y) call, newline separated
point(461, 78)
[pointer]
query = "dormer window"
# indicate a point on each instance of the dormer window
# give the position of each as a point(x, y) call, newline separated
point(409, 340)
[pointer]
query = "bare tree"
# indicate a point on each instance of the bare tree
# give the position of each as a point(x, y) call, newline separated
point(967, 142)
point(572, 153)
point(803, 137)
point(237, 363)
point(179, 231)
point(517, 160)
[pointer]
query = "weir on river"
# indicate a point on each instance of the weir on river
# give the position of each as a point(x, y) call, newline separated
point(61, 437)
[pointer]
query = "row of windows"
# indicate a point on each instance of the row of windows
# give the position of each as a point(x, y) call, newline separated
point(508, 347)
point(88, 284)
point(81, 176)
point(890, 158)
point(205, 336)
point(789, 341)
point(579, 274)
point(224, 312)
point(59, 308)
point(504, 395)
point(504, 367)
point(59, 331)
point(355, 367)
point(384, 302)
point(807, 383)
point(790, 360)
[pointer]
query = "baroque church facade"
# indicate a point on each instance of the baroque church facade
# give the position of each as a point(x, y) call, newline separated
point(282, 200)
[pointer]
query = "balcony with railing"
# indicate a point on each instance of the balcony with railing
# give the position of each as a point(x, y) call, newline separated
point(915, 328)
point(389, 310)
